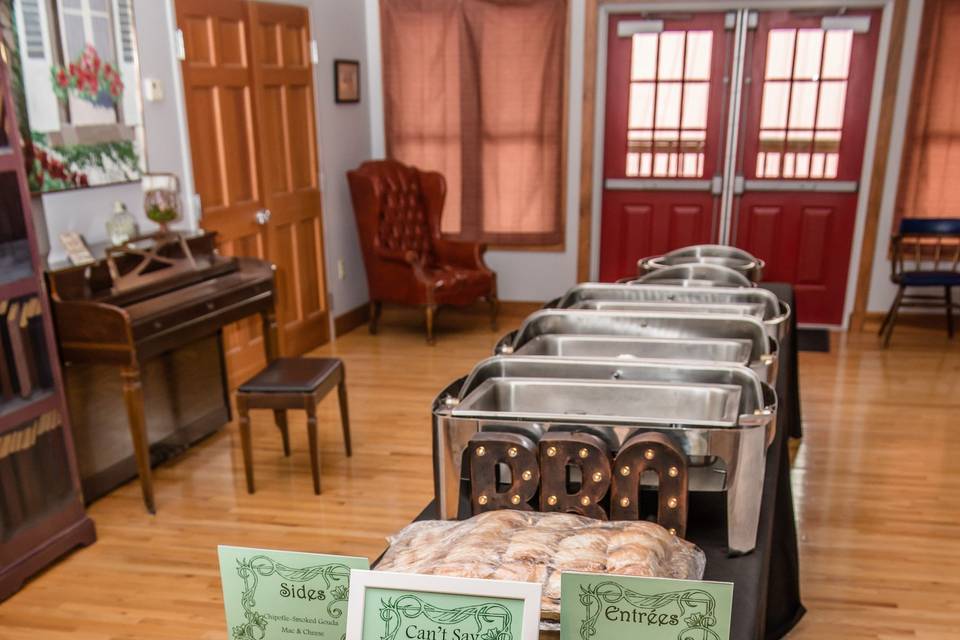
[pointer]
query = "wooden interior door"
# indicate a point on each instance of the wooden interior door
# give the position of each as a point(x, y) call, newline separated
point(218, 90)
point(249, 97)
point(663, 136)
point(283, 92)
point(806, 106)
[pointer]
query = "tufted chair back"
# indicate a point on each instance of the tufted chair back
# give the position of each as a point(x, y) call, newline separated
point(396, 218)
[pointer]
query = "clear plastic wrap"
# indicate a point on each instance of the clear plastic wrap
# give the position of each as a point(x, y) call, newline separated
point(536, 547)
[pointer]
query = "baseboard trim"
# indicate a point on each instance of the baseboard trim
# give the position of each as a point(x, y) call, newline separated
point(347, 322)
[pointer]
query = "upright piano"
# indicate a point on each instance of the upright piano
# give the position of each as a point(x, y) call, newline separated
point(141, 303)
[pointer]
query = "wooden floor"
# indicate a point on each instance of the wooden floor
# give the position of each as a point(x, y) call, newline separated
point(876, 482)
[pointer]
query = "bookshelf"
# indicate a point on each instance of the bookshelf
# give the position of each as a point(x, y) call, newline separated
point(41, 508)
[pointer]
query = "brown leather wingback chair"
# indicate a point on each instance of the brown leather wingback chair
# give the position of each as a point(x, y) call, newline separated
point(398, 212)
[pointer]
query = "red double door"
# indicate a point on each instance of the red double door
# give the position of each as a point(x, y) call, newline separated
point(739, 128)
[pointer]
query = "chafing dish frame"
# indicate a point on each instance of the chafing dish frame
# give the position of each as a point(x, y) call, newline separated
point(742, 447)
point(764, 355)
point(776, 312)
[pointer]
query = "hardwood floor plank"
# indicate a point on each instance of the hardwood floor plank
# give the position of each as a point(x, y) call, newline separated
point(876, 485)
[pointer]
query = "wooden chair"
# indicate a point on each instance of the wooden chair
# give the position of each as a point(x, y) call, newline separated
point(407, 260)
point(926, 253)
point(292, 383)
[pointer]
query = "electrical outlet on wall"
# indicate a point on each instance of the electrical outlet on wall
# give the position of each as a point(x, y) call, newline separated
point(341, 270)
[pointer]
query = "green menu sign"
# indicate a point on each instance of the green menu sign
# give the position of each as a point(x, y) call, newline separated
point(626, 608)
point(284, 595)
point(396, 606)
point(400, 615)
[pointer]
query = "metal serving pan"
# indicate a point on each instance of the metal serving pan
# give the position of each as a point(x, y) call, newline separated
point(695, 274)
point(755, 395)
point(737, 309)
point(726, 351)
point(720, 414)
point(775, 314)
point(731, 257)
point(763, 353)
point(599, 401)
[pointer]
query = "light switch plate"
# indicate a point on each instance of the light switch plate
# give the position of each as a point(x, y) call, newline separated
point(152, 90)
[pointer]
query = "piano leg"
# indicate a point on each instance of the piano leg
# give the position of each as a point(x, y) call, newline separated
point(270, 348)
point(133, 398)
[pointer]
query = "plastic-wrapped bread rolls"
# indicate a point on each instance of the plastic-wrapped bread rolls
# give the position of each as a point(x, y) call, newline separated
point(538, 547)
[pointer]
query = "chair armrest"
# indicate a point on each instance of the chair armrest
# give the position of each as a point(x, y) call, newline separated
point(407, 258)
point(461, 254)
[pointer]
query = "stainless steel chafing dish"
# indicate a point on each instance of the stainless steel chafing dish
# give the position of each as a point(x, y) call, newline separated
point(695, 275)
point(658, 324)
point(715, 254)
point(724, 351)
point(759, 302)
point(722, 416)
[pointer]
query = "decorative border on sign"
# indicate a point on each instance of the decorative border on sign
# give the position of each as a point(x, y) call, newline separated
point(250, 571)
point(700, 621)
point(393, 611)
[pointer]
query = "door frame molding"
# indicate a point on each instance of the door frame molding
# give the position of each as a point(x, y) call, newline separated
point(882, 99)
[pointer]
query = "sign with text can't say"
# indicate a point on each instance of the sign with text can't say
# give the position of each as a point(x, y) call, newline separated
point(400, 606)
point(285, 595)
point(613, 607)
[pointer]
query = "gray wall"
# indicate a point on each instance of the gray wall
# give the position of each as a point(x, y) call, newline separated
point(344, 131)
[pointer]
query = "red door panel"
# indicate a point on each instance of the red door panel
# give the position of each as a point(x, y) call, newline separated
point(795, 237)
point(637, 224)
point(805, 116)
point(663, 136)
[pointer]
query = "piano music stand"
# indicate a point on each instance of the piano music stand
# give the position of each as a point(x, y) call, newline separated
point(161, 266)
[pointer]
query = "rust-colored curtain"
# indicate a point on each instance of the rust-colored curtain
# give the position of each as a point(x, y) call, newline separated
point(930, 175)
point(474, 89)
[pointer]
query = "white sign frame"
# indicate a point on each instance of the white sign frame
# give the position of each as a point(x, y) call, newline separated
point(360, 581)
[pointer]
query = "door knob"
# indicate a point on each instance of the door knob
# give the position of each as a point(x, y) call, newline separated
point(262, 216)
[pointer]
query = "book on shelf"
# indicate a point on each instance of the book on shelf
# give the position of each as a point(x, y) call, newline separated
point(24, 352)
point(18, 350)
point(38, 339)
point(6, 374)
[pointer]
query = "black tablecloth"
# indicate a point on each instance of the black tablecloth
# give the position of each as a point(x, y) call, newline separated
point(766, 593)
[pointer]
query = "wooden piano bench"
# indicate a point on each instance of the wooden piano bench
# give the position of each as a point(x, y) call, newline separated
point(292, 383)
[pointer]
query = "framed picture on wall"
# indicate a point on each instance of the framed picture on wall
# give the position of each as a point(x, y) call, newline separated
point(76, 84)
point(346, 80)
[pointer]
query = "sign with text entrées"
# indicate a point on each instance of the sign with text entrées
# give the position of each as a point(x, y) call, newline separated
point(285, 595)
point(626, 607)
point(399, 606)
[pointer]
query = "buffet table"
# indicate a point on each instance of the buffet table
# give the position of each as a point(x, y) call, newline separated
point(766, 597)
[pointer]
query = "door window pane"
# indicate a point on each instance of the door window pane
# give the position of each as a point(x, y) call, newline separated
point(643, 64)
point(806, 60)
point(776, 100)
point(668, 103)
point(836, 54)
point(671, 55)
point(830, 111)
point(695, 97)
point(641, 105)
point(699, 49)
point(780, 53)
point(803, 103)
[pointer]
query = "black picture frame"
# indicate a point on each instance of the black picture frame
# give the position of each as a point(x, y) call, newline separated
point(346, 81)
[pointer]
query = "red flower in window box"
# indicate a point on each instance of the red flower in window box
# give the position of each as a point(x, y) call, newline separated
point(88, 78)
